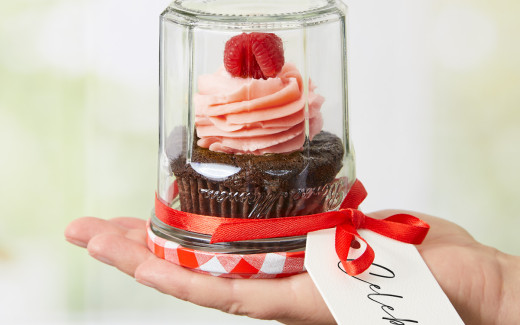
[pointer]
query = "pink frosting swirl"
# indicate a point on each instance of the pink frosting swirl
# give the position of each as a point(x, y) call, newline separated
point(255, 116)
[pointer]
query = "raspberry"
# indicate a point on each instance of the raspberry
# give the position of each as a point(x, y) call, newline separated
point(268, 51)
point(236, 56)
point(256, 55)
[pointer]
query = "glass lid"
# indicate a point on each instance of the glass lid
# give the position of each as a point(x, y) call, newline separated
point(251, 7)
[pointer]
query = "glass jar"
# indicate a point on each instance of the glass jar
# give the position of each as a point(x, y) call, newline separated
point(253, 115)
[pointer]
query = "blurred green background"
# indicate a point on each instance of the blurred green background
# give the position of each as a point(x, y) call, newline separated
point(435, 117)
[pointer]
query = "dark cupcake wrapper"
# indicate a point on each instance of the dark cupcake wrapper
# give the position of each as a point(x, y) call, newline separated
point(210, 198)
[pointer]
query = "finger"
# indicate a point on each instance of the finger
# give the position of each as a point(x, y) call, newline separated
point(204, 290)
point(81, 230)
point(264, 299)
point(129, 223)
point(125, 252)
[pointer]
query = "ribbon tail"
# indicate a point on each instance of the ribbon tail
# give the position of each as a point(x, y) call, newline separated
point(360, 264)
point(345, 234)
point(402, 227)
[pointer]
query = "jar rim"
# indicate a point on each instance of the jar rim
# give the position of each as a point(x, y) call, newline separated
point(250, 15)
point(251, 8)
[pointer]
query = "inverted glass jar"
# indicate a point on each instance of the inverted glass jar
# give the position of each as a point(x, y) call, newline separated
point(244, 147)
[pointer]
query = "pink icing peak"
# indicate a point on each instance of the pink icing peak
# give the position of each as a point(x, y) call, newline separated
point(255, 116)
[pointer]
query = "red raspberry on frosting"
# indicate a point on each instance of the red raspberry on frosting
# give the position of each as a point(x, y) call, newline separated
point(255, 55)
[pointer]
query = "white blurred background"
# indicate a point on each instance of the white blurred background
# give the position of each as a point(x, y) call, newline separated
point(435, 98)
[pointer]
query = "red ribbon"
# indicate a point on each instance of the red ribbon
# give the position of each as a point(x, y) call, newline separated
point(402, 227)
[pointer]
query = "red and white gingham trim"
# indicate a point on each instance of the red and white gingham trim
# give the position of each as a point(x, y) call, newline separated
point(246, 266)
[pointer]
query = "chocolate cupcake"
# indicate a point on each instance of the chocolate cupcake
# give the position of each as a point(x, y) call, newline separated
point(261, 186)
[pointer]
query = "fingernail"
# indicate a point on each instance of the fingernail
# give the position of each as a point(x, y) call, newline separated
point(76, 242)
point(146, 283)
point(103, 259)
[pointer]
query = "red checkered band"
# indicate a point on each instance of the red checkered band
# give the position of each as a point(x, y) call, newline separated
point(246, 266)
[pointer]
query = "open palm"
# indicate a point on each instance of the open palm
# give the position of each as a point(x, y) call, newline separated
point(470, 274)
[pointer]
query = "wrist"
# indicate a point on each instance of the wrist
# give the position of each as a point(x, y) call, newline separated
point(508, 312)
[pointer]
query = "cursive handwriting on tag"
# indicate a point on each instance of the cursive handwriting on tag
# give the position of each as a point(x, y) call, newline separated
point(377, 293)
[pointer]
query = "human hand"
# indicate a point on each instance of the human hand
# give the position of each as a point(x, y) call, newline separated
point(121, 242)
point(480, 281)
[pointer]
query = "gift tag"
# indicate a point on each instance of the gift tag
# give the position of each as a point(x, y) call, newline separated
point(397, 289)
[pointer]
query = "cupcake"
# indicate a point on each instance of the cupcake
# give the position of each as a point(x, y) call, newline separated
point(259, 149)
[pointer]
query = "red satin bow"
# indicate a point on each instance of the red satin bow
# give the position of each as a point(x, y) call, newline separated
point(401, 227)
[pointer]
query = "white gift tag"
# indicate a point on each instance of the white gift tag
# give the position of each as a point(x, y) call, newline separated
point(397, 289)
